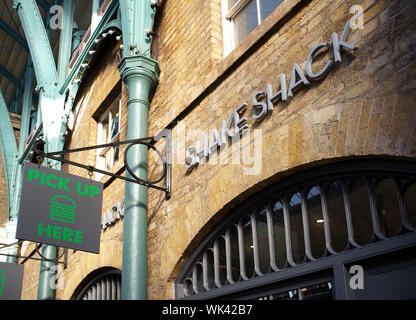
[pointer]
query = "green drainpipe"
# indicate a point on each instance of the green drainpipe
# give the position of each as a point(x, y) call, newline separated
point(46, 290)
point(140, 74)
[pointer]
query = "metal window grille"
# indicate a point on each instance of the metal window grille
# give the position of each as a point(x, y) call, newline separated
point(312, 215)
point(106, 286)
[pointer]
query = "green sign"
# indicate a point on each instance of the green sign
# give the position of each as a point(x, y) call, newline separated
point(11, 280)
point(60, 209)
point(3, 278)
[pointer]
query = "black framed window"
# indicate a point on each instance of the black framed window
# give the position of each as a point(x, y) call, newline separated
point(102, 284)
point(322, 214)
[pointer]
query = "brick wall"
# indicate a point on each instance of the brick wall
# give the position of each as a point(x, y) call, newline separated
point(362, 108)
point(190, 45)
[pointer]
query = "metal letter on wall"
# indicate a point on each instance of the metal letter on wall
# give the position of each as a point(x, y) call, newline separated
point(60, 209)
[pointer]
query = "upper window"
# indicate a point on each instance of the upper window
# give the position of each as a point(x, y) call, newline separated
point(242, 17)
point(109, 132)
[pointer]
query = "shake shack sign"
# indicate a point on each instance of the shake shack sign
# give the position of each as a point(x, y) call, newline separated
point(263, 102)
point(60, 209)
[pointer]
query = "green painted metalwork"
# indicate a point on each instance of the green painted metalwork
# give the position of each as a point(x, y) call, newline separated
point(138, 19)
point(27, 106)
point(9, 149)
point(15, 192)
point(140, 75)
point(50, 102)
point(24, 132)
point(54, 110)
point(16, 36)
point(94, 16)
point(77, 37)
point(113, 24)
point(65, 42)
point(26, 153)
point(14, 105)
point(39, 45)
point(46, 74)
point(45, 289)
point(22, 79)
point(85, 56)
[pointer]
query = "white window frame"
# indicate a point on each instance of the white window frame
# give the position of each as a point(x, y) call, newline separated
point(100, 157)
point(229, 15)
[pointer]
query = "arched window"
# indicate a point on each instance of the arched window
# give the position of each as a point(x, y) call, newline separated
point(101, 284)
point(311, 221)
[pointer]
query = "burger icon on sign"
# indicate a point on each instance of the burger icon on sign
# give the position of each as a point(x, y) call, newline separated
point(62, 209)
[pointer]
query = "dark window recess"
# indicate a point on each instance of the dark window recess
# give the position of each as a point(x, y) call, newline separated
point(104, 286)
point(319, 291)
point(315, 214)
point(410, 203)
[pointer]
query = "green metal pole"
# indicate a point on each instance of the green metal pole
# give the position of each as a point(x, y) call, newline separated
point(94, 15)
point(46, 290)
point(24, 129)
point(65, 41)
point(140, 75)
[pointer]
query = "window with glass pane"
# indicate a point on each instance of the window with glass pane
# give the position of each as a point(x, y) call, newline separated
point(296, 228)
point(361, 211)
point(209, 269)
point(336, 216)
point(279, 237)
point(263, 241)
point(109, 132)
point(387, 204)
point(248, 247)
point(234, 254)
point(243, 16)
point(222, 261)
point(245, 22)
point(198, 278)
point(410, 203)
point(316, 222)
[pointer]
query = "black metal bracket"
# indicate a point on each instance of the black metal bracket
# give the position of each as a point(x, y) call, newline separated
point(36, 250)
point(167, 166)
